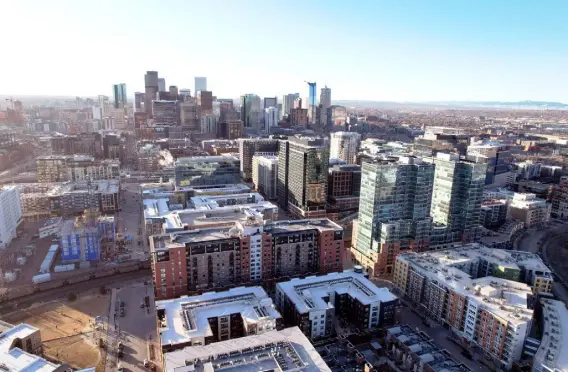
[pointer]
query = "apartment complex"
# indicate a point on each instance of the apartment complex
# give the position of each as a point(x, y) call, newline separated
point(215, 316)
point(84, 144)
point(314, 303)
point(345, 146)
point(530, 209)
point(242, 248)
point(394, 211)
point(265, 175)
point(285, 350)
point(10, 214)
point(479, 292)
point(249, 147)
point(207, 170)
point(302, 176)
point(60, 168)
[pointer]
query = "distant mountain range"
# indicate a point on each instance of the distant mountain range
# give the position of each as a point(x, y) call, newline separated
point(527, 105)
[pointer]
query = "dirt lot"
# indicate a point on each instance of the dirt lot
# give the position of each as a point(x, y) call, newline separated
point(66, 329)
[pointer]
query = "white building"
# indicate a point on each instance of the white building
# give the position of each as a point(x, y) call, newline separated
point(10, 214)
point(252, 353)
point(270, 117)
point(313, 303)
point(345, 145)
point(215, 316)
point(208, 123)
point(18, 348)
point(530, 209)
point(265, 174)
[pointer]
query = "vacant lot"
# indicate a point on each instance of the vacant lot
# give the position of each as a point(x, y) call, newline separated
point(67, 328)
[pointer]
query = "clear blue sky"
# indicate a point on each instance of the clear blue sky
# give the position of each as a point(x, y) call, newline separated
point(377, 50)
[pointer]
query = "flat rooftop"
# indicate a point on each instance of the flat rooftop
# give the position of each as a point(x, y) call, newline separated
point(307, 294)
point(186, 317)
point(425, 349)
point(284, 350)
point(554, 342)
point(321, 224)
point(206, 159)
point(15, 359)
point(505, 298)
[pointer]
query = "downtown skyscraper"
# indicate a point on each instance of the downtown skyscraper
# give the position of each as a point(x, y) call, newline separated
point(119, 95)
point(250, 111)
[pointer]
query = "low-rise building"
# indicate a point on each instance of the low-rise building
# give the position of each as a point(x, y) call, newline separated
point(20, 350)
point(215, 316)
point(314, 303)
point(531, 210)
point(76, 168)
point(285, 350)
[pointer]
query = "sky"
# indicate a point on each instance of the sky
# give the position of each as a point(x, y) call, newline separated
point(397, 50)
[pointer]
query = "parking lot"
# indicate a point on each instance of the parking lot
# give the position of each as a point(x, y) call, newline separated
point(135, 329)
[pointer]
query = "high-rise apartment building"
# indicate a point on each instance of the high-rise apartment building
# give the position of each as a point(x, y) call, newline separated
point(119, 95)
point(250, 111)
point(302, 176)
point(456, 199)
point(345, 146)
point(248, 147)
point(205, 101)
point(10, 214)
point(200, 84)
point(498, 158)
point(394, 211)
point(151, 89)
point(161, 85)
point(343, 190)
point(265, 174)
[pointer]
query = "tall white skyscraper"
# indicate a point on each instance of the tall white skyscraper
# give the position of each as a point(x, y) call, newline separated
point(344, 146)
point(200, 84)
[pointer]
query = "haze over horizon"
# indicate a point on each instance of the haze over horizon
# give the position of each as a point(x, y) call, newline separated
point(368, 50)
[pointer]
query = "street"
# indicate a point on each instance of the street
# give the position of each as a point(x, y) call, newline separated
point(128, 221)
point(136, 330)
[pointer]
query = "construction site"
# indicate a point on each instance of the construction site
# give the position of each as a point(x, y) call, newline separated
point(70, 329)
point(43, 200)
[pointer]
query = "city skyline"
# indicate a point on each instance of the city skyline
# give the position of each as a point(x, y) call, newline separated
point(409, 52)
